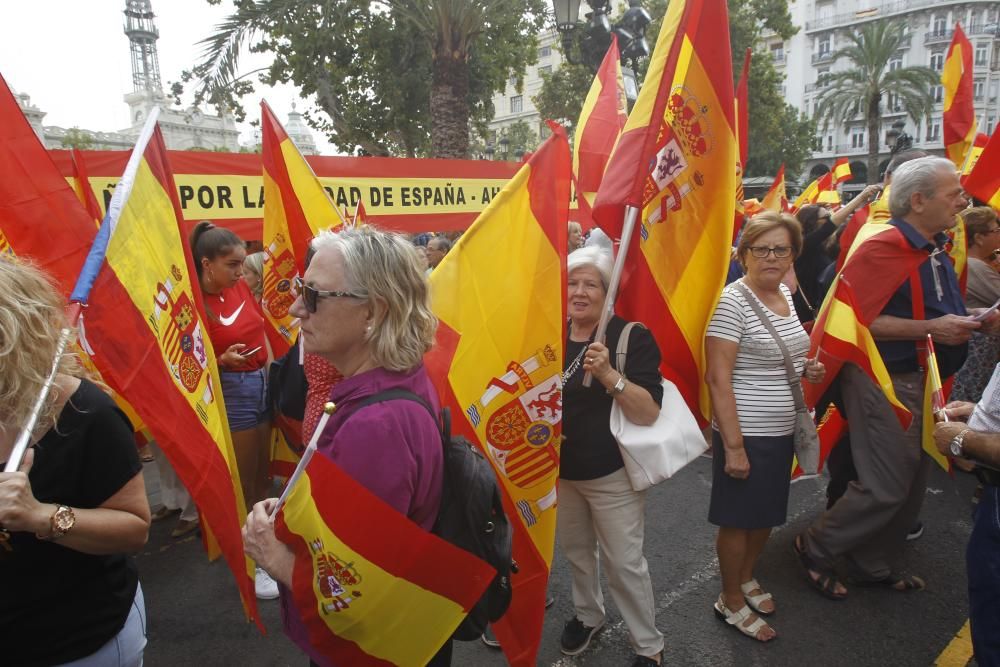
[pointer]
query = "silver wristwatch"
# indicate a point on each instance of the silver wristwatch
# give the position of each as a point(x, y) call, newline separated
point(619, 386)
point(956, 444)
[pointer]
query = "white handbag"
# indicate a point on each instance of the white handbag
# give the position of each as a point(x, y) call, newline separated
point(656, 452)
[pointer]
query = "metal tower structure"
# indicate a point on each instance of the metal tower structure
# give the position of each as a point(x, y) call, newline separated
point(142, 35)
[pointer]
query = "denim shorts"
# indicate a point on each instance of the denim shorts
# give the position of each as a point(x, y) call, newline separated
point(246, 399)
point(126, 648)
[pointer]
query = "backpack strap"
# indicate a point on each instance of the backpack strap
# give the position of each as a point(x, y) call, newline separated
point(443, 422)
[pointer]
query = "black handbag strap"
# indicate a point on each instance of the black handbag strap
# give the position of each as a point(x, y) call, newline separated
point(793, 377)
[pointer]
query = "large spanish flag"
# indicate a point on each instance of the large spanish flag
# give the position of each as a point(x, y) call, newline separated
point(143, 328)
point(40, 215)
point(677, 162)
point(371, 587)
point(601, 121)
point(81, 185)
point(498, 362)
point(776, 199)
point(959, 115)
point(296, 208)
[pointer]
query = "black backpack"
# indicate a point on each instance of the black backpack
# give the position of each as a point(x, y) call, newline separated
point(471, 515)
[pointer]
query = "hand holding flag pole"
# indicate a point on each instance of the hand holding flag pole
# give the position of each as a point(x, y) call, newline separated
point(328, 409)
point(631, 215)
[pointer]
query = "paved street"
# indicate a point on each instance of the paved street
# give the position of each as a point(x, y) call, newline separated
point(195, 616)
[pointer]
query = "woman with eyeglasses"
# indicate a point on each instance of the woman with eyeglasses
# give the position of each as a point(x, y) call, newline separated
point(982, 291)
point(754, 418)
point(236, 328)
point(363, 306)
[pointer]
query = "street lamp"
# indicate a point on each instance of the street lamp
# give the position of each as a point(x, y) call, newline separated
point(504, 147)
point(490, 151)
point(897, 139)
point(591, 38)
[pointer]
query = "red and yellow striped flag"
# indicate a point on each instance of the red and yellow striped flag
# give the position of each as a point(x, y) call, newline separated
point(498, 361)
point(776, 199)
point(983, 180)
point(811, 193)
point(600, 125)
point(296, 208)
point(371, 586)
point(144, 331)
point(972, 157)
point(841, 170)
point(959, 114)
point(81, 184)
point(935, 398)
point(677, 162)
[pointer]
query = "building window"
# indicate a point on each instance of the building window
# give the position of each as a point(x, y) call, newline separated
point(978, 89)
point(517, 104)
point(818, 144)
point(990, 124)
point(933, 131)
point(513, 82)
point(778, 52)
point(857, 137)
point(894, 104)
point(545, 69)
point(829, 142)
point(896, 63)
point(938, 93)
point(545, 52)
point(994, 85)
point(940, 25)
point(824, 45)
point(937, 61)
point(982, 53)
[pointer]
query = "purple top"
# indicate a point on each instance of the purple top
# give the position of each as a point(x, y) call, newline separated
point(393, 448)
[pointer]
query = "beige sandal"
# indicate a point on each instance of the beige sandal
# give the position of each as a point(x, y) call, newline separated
point(736, 620)
point(755, 600)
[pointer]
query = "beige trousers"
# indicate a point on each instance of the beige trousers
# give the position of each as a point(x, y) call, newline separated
point(606, 513)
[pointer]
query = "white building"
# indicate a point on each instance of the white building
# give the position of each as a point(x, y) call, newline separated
point(823, 26)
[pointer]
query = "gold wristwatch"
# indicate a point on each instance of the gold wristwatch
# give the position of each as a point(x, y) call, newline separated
point(60, 523)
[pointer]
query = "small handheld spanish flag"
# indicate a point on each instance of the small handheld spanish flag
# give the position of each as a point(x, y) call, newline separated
point(934, 381)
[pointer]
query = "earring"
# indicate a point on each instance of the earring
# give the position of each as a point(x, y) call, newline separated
point(368, 330)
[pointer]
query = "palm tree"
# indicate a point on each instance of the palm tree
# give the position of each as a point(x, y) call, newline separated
point(449, 27)
point(868, 79)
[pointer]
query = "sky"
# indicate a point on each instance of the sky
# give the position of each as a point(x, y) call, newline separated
point(73, 59)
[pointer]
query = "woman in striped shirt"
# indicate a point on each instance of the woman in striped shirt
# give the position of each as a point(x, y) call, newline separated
point(754, 414)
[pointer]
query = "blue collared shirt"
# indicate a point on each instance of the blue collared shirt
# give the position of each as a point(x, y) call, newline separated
point(900, 356)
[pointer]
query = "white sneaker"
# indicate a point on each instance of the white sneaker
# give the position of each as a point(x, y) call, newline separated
point(265, 587)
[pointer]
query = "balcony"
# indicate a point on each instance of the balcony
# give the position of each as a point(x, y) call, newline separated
point(881, 10)
point(983, 29)
point(939, 36)
point(822, 57)
point(779, 57)
point(815, 87)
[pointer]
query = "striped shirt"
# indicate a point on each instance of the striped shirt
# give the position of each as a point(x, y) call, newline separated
point(764, 400)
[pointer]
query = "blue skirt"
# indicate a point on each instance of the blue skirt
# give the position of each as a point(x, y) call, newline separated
point(760, 500)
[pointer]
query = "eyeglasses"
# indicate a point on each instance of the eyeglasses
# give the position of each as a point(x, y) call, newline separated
point(761, 251)
point(310, 295)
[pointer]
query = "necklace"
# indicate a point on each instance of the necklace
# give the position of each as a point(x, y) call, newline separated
point(573, 367)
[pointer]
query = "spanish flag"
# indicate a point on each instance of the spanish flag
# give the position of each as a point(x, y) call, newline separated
point(841, 170)
point(40, 215)
point(935, 394)
point(498, 362)
point(959, 115)
point(371, 586)
point(143, 328)
point(677, 164)
point(983, 181)
point(776, 199)
point(601, 121)
point(81, 184)
point(972, 157)
point(296, 208)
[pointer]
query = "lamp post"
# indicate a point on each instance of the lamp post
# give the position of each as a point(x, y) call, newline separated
point(586, 42)
point(897, 139)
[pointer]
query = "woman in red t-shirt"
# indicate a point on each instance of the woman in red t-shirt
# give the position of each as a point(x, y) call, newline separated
point(236, 328)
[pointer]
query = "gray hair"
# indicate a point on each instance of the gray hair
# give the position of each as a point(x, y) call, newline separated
point(384, 266)
point(920, 175)
point(593, 256)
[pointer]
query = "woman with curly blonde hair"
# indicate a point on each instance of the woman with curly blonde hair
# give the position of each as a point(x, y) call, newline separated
point(76, 507)
point(363, 304)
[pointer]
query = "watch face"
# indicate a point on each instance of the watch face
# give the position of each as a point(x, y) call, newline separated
point(956, 447)
point(63, 519)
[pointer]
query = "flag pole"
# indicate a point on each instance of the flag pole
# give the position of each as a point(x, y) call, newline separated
point(328, 409)
point(631, 215)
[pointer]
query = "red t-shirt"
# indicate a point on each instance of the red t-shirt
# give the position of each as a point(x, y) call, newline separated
point(234, 317)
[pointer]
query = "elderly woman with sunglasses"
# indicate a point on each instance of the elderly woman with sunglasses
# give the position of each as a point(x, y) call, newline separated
point(363, 305)
point(754, 418)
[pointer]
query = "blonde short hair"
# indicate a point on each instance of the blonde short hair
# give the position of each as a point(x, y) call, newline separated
point(32, 316)
point(255, 262)
point(384, 266)
point(765, 222)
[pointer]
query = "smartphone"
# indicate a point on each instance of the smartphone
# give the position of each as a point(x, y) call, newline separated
point(249, 353)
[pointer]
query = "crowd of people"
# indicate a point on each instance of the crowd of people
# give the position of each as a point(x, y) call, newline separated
point(78, 505)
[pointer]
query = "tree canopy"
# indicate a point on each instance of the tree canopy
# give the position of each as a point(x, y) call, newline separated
point(391, 77)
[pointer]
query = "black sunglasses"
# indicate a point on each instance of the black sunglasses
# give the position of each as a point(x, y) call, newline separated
point(310, 295)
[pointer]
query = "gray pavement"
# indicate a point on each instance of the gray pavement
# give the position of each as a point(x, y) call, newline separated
point(195, 617)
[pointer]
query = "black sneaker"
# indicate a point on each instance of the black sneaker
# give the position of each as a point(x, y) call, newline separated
point(489, 638)
point(643, 661)
point(549, 601)
point(915, 532)
point(576, 636)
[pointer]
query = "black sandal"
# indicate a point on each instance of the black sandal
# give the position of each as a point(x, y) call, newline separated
point(825, 582)
point(901, 583)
